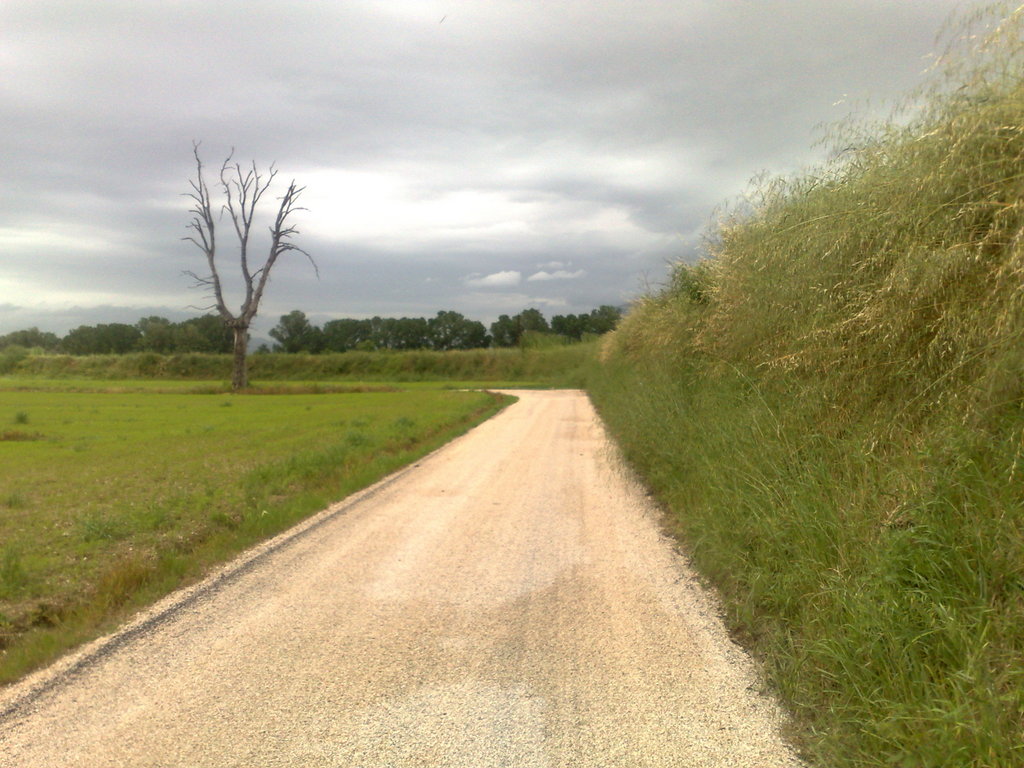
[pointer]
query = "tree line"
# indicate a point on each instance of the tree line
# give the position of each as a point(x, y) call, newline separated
point(446, 330)
point(294, 333)
point(207, 333)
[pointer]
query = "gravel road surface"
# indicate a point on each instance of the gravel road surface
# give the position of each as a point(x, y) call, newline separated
point(508, 601)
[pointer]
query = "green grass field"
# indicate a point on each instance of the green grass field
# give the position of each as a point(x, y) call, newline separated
point(111, 496)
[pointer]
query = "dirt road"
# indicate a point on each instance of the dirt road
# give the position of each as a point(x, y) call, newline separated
point(506, 602)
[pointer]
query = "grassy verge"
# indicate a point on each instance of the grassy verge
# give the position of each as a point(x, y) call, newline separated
point(880, 583)
point(109, 500)
point(832, 407)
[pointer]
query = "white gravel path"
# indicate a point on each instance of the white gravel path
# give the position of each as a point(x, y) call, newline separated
point(509, 601)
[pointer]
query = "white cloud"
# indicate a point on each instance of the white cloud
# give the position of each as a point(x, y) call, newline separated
point(558, 274)
point(497, 279)
point(386, 207)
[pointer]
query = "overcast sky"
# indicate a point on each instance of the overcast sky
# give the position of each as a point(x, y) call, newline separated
point(477, 155)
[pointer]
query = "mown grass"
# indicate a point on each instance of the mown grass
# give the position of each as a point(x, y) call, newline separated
point(125, 496)
point(832, 406)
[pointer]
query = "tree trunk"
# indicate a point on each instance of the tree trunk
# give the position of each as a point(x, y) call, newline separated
point(239, 374)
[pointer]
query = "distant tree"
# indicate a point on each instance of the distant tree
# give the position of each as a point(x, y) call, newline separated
point(345, 334)
point(158, 335)
point(80, 340)
point(242, 190)
point(533, 320)
point(30, 338)
point(450, 330)
point(570, 326)
point(444, 329)
point(380, 333)
point(603, 319)
point(409, 333)
point(103, 339)
point(117, 338)
point(206, 333)
point(597, 322)
point(507, 331)
point(296, 334)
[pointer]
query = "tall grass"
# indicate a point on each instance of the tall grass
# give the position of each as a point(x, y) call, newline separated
point(832, 404)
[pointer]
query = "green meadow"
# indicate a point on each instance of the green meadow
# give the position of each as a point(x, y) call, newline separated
point(113, 493)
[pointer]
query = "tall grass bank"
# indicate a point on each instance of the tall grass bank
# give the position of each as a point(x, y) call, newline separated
point(832, 406)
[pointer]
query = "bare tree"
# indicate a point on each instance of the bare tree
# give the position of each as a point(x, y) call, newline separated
point(242, 189)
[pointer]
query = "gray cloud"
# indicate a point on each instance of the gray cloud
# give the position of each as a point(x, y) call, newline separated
point(593, 134)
